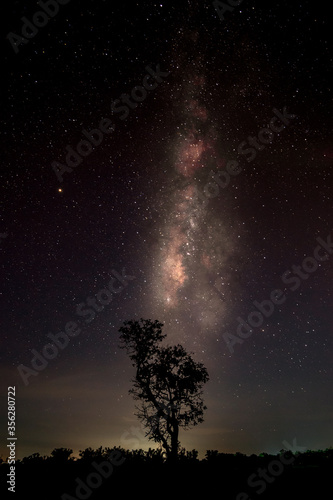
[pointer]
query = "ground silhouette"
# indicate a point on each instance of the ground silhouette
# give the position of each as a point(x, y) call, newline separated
point(107, 473)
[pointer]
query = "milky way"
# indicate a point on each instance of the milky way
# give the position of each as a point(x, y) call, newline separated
point(192, 263)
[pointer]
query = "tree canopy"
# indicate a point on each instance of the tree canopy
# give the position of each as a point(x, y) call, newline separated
point(168, 383)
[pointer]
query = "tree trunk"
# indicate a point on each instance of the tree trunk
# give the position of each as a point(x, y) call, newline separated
point(174, 441)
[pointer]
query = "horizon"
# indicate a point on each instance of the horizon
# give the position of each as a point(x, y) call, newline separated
point(75, 454)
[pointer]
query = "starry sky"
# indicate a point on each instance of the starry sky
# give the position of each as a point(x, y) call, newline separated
point(201, 197)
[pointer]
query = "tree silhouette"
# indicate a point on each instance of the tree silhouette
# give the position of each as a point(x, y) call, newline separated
point(168, 383)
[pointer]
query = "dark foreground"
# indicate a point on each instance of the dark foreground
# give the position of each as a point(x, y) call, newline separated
point(115, 473)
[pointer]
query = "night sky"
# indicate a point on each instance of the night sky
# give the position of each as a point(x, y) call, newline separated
point(203, 201)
